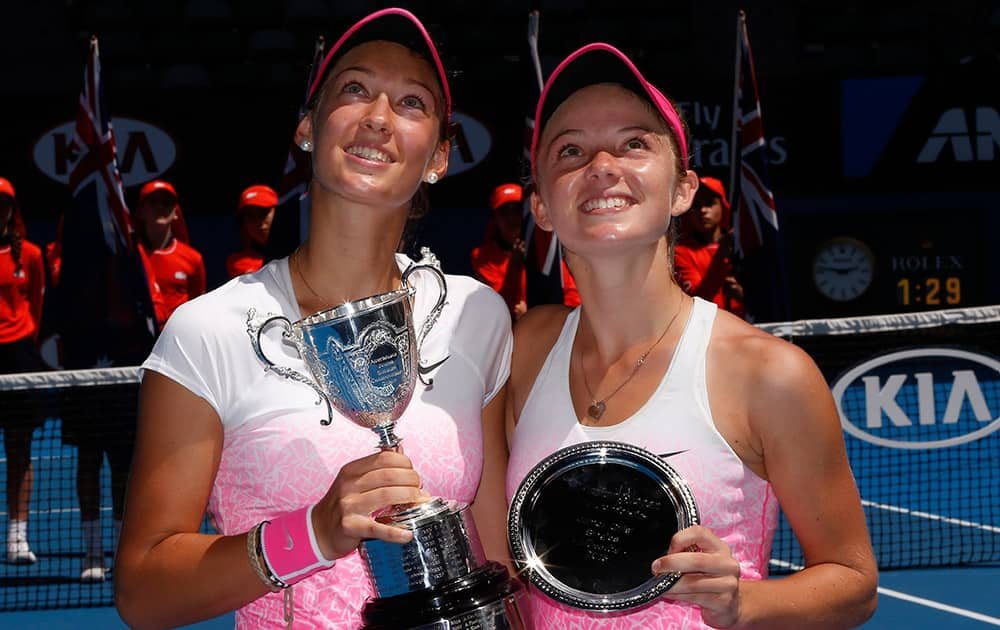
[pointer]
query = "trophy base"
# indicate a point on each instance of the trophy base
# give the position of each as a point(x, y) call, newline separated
point(445, 546)
point(485, 599)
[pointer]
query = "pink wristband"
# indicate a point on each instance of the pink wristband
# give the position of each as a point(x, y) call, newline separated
point(289, 546)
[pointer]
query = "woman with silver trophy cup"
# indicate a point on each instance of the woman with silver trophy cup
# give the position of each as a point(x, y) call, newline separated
point(260, 398)
point(653, 436)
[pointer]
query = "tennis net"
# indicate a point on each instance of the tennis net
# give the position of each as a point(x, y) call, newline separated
point(920, 396)
point(84, 431)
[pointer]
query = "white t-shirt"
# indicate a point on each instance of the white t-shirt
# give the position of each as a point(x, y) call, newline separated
point(277, 457)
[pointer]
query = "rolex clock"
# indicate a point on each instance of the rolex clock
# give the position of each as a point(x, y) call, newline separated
point(843, 269)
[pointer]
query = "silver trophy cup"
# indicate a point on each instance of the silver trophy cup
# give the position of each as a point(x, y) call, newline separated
point(364, 360)
point(363, 355)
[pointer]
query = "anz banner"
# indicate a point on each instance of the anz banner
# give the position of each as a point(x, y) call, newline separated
point(935, 132)
point(919, 402)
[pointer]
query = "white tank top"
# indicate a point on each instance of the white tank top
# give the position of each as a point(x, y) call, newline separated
point(736, 504)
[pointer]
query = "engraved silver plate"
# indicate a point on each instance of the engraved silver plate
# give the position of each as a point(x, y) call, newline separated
point(587, 522)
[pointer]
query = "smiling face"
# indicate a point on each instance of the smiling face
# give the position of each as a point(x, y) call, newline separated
point(608, 171)
point(376, 128)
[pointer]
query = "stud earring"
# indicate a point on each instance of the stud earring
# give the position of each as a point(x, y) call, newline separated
point(432, 178)
point(306, 146)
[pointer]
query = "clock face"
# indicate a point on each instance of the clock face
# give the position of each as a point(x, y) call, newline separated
point(843, 269)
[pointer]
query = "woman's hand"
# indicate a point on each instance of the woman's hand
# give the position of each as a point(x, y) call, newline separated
point(710, 576)
point(343, 517)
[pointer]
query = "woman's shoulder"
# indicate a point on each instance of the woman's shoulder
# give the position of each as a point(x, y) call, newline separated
point(542, 322)
point(466, 292)
point(227, 307)
point(535, 333)
point(765, 365)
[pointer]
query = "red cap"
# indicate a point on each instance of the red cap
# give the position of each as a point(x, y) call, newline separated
point(600, 63)
point(393, 25)
point(155, 186)
point(6, 188)
point(715, 186)
point(505, 193)
point(258, 195)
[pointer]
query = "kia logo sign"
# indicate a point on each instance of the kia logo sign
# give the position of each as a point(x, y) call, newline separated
point(144, 151)
point(921, 399)
point(470, 144)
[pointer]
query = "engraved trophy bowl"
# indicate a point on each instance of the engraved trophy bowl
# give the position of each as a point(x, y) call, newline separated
point(587, 522)
point(363, 355)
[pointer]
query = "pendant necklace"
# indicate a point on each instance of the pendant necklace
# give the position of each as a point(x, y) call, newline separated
point(598, 406)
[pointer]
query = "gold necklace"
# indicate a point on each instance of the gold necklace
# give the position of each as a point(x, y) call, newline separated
point(298, 269)
point(598, 406)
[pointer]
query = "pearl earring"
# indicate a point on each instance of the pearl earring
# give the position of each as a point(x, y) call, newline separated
point(306, 146)
point(432, 178)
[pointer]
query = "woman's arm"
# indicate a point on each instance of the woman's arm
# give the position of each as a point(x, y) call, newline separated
point(490, 506)
point(802, 446)
point(793, 439)
point(168, 574)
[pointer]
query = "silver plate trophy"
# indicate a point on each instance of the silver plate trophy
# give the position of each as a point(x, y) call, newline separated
point(364, 358)
point(587, 522)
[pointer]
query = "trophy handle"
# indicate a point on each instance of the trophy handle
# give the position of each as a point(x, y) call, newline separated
point(428, 262)
point(288, 333)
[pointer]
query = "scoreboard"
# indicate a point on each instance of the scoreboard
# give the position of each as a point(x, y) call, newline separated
point(867, 261)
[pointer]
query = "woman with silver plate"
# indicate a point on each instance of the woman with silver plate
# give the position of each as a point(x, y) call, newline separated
point(738, 420)
point(219, 429)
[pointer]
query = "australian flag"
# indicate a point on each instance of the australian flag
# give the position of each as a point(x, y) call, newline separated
point(291, 219)
point(755, 220)
point(104, 299)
